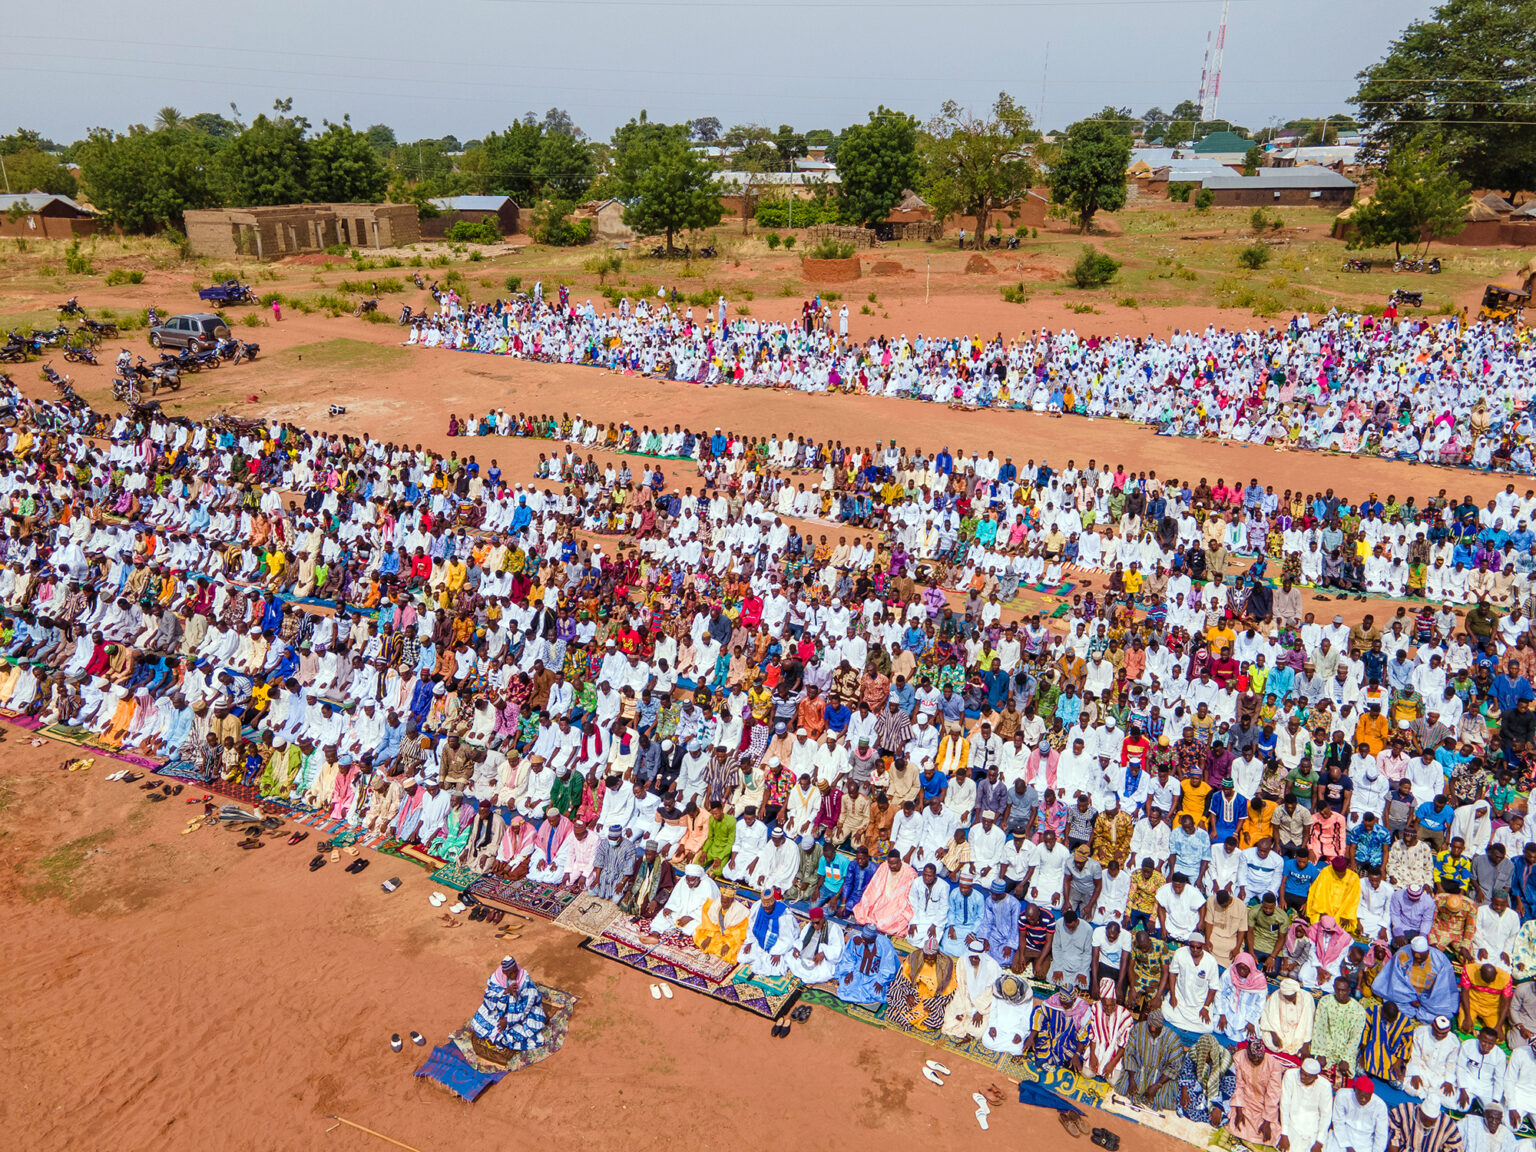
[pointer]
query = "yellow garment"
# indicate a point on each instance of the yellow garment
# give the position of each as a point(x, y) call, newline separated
point(1336, 896)
point(721, 939)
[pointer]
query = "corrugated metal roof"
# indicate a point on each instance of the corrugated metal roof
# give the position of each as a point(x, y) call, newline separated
point(471, 203)
point(788, 179)
point(37, 201)
point(1304, 176)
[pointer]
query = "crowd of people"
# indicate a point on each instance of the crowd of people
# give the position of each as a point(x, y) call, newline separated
point(1437, 391)
point(1270, 869)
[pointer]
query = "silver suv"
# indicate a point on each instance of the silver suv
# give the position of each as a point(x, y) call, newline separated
point(198, 331)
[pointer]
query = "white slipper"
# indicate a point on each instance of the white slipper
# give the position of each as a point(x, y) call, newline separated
point(981, 1103)
point(981, 1118)
point(115, 776)
point(437, 899)
point(458, 909)
point(666, 990)
point(655, 992)
point(936, 1066)
point(933, 1076)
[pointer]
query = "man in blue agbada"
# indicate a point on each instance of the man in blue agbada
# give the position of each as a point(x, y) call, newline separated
point(866, 968)
point(1420, 981)
point(999, 924)
point(966, 907)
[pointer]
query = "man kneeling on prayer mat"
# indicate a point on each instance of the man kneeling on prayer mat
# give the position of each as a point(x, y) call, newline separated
point(722, 926)
point(770, 936)
point(975, 979)
point(923, 987)
point(817, 949)
point(511, 1015)
point(864, 973)
point(685, 907)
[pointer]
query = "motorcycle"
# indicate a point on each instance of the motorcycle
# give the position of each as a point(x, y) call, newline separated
point(708, 250)
point(79, 354)
point(1356, 266)
point(1433, 267)
point(1403, 296)
point(1409, 265)
point(71, 307)
point(51, 337)
point(208, 359)
point(246, 351)
point(98, 329)
point(51, 374)
point(366, 306)
point(124, 363)
point(13, 351)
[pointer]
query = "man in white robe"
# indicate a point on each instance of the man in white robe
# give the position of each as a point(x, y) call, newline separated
point(684, 908)
point(1306, 1108)
point(771, 935)
point(817, 949)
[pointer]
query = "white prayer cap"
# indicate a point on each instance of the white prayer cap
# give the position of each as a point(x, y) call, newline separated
point(977, 946)
point(1311, 1067)
point(988, 814)
point(1430, 1106)
point(694, 870)
point(1442, 1021)
point(801, 732)
point(1420, 944)
point(773, 762)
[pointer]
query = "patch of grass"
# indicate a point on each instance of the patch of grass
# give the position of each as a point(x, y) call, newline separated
point(125, 276)
point(1015, 293)
point(1127, 302)
point(789, 290)
point(252, 320)
point(56, 871)
point(343, 353)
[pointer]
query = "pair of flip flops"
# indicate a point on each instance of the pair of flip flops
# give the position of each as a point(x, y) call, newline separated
point(298, 837)
point(416, 1038)
point(933, 1072)
point(357, 866)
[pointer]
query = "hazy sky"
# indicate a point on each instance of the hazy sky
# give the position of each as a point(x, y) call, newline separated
point(469, 66)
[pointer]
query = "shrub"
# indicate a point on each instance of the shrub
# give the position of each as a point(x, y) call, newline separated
point(125, 276)
point(377, 317)
point(385, 285)
point(476, 256)
point(416, 262)
point(789, 241)
point(1258, 221)
point(1204, 200)
point(830, 249)
point(393, 262)
point(1179, 190)
point(743, 310)
point(1127, 302)
point(1254, 256)
point(513, 284)
point(363, 264)
point(438, 261)
point(1014, 293)
point(774, 240)
point(834, 297)
point(1093, 269)
point(76, 262)
point(486, 231)
point(866, 310)
point(748, 294)
point(1084, 309)
point(788, 290)
point(335, 249)
point(784, 212)
point(253, 320)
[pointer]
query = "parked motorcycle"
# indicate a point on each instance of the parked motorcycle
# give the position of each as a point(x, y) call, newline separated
point(1353, 265)
point(71, 307)
point(79, 354)
point(208, 359)
point(246, 351)
point(364, 306)
point(51, 374)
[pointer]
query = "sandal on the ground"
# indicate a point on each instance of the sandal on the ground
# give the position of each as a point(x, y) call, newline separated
point(317, 863)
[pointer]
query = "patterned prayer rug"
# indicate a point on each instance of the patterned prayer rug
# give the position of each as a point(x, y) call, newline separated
point(588, 916)
point(419, 856)
point(459, 1068)
point(389, 846)
point(521, 896)
point(455, 876)
point(630, 935)
point(821, 998)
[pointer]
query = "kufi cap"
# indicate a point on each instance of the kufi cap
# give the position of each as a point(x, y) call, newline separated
point(1420, 944)
point(694, 870)
point(1311, 1067)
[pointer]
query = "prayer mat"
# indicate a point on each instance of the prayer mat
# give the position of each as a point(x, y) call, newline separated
point(235, 791)
point(521, 896)
point(75, 736)
point(448, 1067)
point(588, 916)
point(683, 956)
point(179, 770)
point(455, 876)
point(389, 846)
point(770, 997)
point(30, 723)
point(419, 856)
point(1061, 610)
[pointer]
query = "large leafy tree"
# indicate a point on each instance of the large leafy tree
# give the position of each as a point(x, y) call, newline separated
point(1089, 173)
point(344, 167)
point(667, 185)
point(1466, 75)
point(268, 163)
point(512, 161)
point(877, 162)
point(978, 164)
point(145, 181)
point(564, 166)
point(706, 129)
point(1418, 199)
point(789, 144)
point(34, 171)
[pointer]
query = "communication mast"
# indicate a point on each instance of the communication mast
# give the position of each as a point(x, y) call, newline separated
point(1210, 74)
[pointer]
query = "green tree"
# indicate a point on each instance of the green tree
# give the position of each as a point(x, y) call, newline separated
point(24, 140)
point(669, 187)
point(145, 181)
point(344, 167)
point(1251, 160)
point(212, 124)
point(758, 156)
point(564, 166)
point(169, 117)
point(1466, 76)
point(1177, 132)
point(1089, 174)
point(512, 161)
point(381, 137)
point(1418, 199)
point(1120, 119)
point(978, 164)
point(706, 129)
point(877, 162)
point(268, 163)
point(34, 171)
point(790, 146)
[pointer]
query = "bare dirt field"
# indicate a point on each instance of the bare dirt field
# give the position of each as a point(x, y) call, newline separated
point(172, 992)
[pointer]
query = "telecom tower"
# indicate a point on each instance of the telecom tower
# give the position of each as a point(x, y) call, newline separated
point(1210, 73)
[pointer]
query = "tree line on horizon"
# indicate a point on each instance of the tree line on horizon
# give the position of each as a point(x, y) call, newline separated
point(1441, 112)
